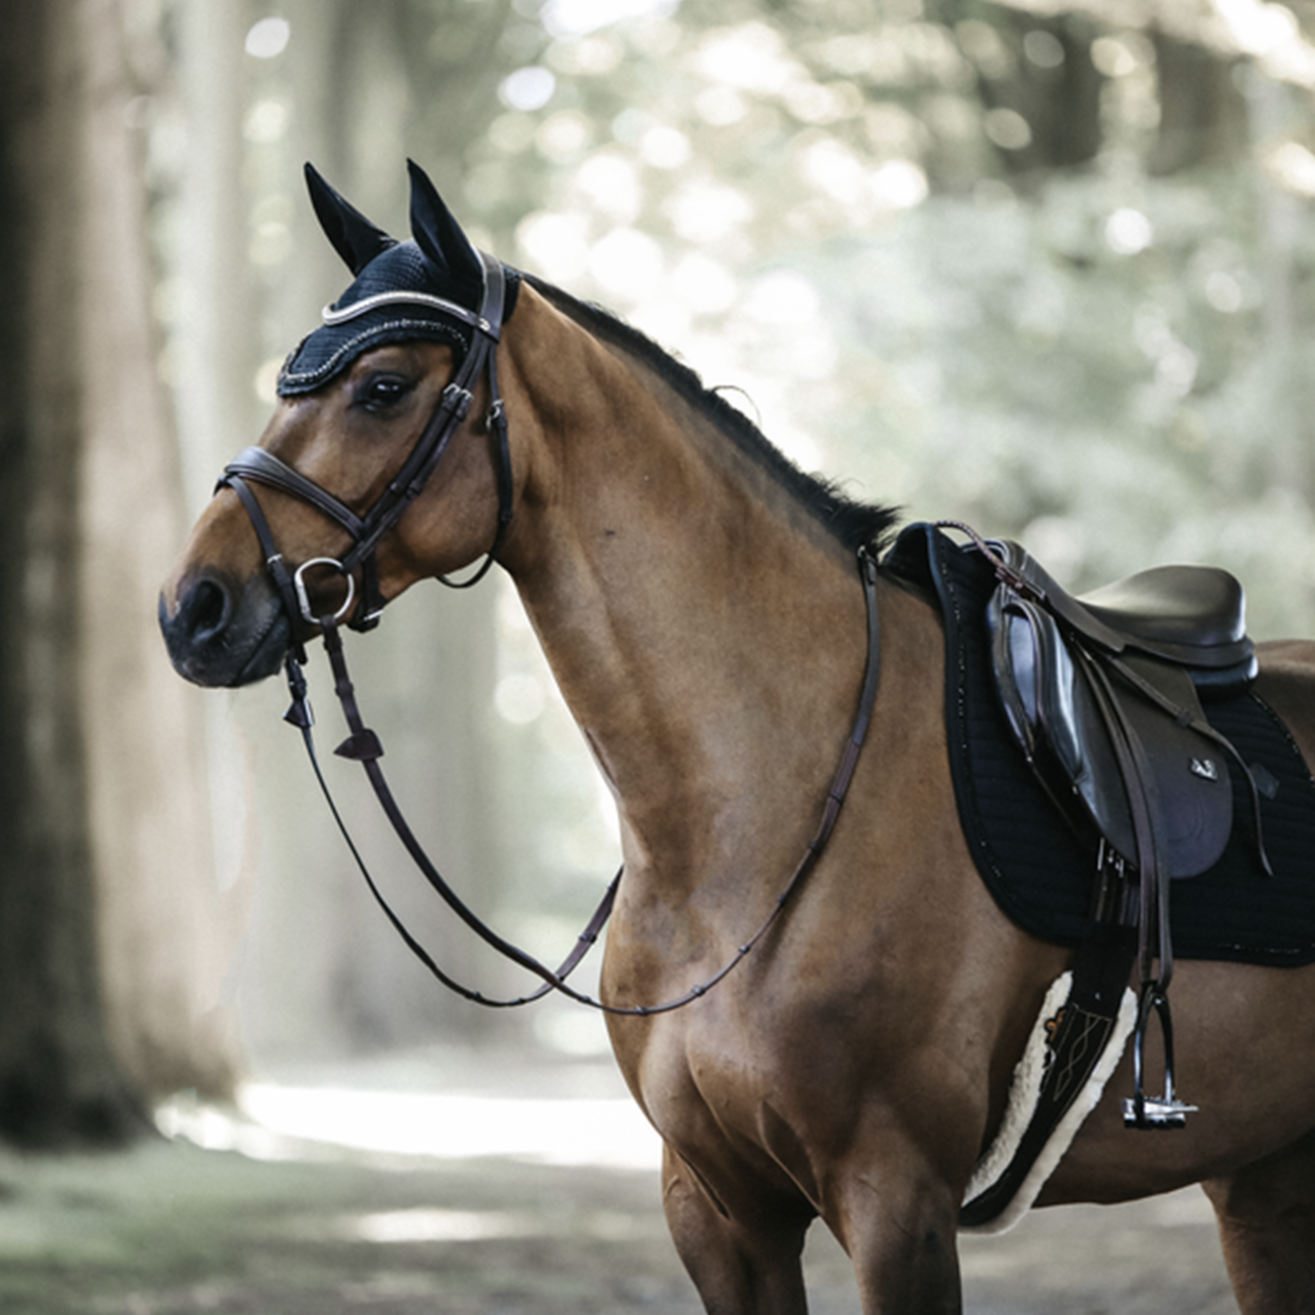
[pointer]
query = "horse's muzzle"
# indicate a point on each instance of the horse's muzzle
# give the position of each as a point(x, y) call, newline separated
point(219, 634)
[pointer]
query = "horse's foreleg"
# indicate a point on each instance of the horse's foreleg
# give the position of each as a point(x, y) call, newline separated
point(1266, 1216)
point(904, 1247)
point(739, 1266)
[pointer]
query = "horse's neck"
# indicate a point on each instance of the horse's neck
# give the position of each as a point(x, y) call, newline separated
point(706, 634)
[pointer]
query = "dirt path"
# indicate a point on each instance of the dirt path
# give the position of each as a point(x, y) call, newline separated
point(173, 1229)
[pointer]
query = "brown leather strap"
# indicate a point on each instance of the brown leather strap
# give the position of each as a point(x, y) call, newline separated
point(364, 746)
point(300, 716)
point(369, 528)
point(274, 563)
point(1155, 943)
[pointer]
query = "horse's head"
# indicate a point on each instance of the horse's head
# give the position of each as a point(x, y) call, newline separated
point(375, 470)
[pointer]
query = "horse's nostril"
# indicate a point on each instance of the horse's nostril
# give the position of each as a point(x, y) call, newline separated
point(204, 612)
point(221, 632)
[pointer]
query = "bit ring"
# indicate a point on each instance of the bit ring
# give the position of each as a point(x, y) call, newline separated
point(303, 598)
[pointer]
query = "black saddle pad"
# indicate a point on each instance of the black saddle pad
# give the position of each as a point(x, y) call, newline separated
point(1035, 866)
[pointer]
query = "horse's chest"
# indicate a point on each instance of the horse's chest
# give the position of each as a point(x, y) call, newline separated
point(706, 1082)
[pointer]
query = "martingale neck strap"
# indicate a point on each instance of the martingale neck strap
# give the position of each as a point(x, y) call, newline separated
point(363, 745)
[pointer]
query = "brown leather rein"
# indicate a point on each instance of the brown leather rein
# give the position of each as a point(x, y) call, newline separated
point(363, 744)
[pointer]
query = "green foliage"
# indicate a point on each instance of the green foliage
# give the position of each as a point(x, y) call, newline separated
point(1041, 273)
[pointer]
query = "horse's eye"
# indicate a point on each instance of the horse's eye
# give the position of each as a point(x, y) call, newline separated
point(383, 392)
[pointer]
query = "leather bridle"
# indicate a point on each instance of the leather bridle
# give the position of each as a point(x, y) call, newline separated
point(367, 530)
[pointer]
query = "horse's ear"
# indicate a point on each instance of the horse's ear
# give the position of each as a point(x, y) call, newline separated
point(354, 237)
point(439, 235)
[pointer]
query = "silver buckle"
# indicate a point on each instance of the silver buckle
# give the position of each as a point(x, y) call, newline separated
point(303, 598)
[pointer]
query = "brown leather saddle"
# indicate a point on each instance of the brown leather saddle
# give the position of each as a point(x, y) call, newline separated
point(1103, 694)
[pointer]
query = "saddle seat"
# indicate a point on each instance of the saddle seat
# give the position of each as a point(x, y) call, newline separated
point(1191, 616)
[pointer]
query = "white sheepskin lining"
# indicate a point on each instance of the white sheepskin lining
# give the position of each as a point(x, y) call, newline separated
point(1023, 1093)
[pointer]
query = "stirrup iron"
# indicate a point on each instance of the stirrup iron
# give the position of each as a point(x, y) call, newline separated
point(1154, 1113)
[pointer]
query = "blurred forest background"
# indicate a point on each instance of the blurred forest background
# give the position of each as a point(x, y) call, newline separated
point(1045, 266)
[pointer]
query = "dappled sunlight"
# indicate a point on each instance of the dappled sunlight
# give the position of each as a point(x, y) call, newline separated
point(628, 265)
point(608, 184)
point(274, 1122)
point(423, 1224)
point(751, 58)
point(705, 285)
point(1292, 166)
point(528, 88)
point(556, 245)
point(1270, 32)
point(567, 18)
point(863, 192)
point(1128, 231)
point(268, 38)
point(705, 212)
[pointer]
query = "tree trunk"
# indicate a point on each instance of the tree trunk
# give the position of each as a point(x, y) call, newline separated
point(58, 1079)
point(1203, 116)
point(103, 924)
point(167, 931)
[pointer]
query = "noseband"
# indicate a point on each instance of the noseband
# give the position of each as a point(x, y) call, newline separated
point(367, 530)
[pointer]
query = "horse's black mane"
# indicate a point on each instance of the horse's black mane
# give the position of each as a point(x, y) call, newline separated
point(855, 524)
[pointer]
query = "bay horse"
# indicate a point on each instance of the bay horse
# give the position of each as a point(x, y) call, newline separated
point(698, 601)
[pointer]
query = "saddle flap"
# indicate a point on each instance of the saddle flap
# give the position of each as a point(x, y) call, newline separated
point(1186, 774)
point(1052, 715)
point(1066, 717)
